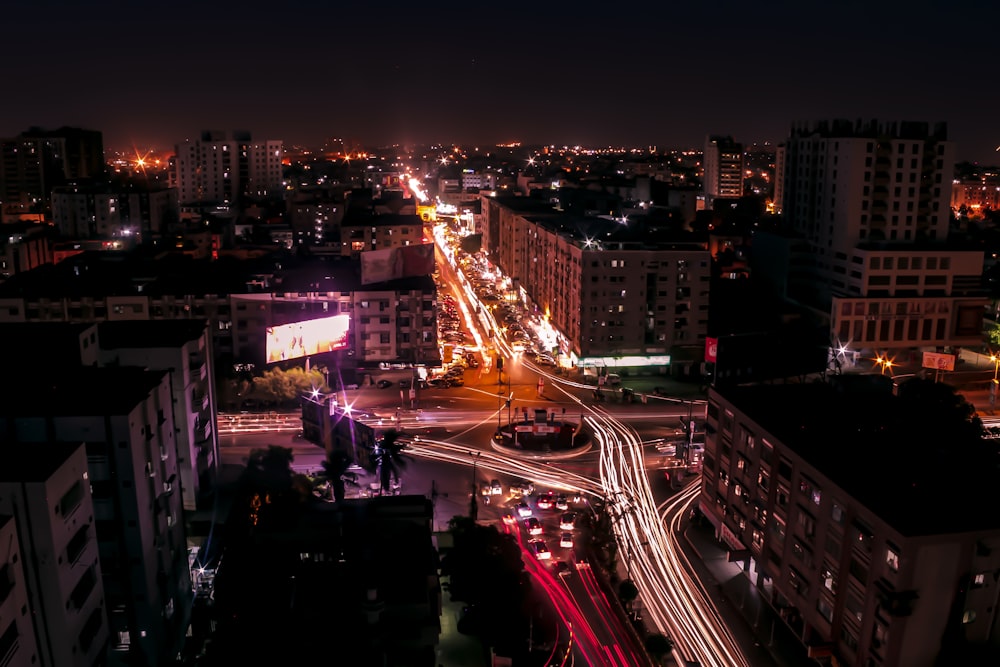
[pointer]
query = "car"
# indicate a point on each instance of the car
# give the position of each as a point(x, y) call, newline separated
point(383, 384)
point(533, 526)
point(539, 549)
point(438, 383)
point(456, 382)
point(566, 540)
point(562, 568)
point(523, 510)
point(496, 488)
point(544, 360)
point(567, 521)
point(561, 503)
point(523, 488)
point(545, 502)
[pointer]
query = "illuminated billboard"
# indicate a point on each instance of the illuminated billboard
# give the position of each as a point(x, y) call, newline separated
point(402, 262)
point(302, 339)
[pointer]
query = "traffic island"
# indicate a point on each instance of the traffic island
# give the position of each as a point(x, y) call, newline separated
point(542, 437)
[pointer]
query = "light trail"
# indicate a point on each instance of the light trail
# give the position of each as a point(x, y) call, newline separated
point(674, 601)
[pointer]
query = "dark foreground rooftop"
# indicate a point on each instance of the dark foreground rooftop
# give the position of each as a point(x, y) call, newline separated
point(912, 461)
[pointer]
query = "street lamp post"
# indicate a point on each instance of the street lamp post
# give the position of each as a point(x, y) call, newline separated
point(473, 505)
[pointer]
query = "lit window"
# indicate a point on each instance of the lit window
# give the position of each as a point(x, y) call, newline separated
point(892, 559)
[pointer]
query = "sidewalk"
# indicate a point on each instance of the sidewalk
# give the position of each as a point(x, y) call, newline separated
point(766, 640)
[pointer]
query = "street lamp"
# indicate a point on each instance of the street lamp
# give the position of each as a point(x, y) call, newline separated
point(473, 505)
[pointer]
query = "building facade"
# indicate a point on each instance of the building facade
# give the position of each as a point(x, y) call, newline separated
point(723, 165)
point(380, 232)
point(45, 486)
point(125, 417)
point(101, 212)
point(873, 201)
point(18, 647)
point(221, 167)
point(37, 160)
point(183, 349)
point(869, 565)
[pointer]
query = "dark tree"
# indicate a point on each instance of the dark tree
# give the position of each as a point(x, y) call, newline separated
point(337, 474)
point(485, 569)
point(387, 459)
point(658, 645)
point(627, 592)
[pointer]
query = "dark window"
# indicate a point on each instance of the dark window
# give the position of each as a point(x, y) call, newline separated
point(71, 499)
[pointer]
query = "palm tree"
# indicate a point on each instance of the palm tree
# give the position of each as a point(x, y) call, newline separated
point(387, 459)
point(337, 474)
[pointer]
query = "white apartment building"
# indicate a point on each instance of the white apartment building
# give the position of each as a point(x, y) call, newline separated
point(125, 416)
point(17, 632)
point(873, 201)
point(723, 166)
point(478, 180)
point(182, 348)
point(45, 486)
point(220, 167)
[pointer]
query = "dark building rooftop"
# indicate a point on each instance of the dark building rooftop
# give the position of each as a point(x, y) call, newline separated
point(58, 342)
point(595, 233)
point(149, 333)
point(872, 129)
point(916, 470)
point(33, 461)
point(79, 391)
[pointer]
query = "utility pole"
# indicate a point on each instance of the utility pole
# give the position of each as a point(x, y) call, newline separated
point(473, 504)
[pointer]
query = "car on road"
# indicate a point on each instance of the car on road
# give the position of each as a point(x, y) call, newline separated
point(561, 503)
point(568, 521)
point(562, 568)
point(546, 501)
point(566, 540)
point(539, 549)
point(523, 510)
point(544, 360)
point(496, 488)
point(522, 488)
point(533, 526)
point(383, 384)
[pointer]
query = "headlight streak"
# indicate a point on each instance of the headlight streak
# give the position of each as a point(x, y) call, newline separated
point(674, 602)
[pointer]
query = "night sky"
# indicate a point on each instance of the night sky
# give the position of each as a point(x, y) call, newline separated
point(586, 72)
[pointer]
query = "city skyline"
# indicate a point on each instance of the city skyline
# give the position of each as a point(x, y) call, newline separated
point(394, 73)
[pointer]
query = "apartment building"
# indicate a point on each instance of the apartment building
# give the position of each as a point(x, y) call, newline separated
point(183, 349)
point(871, 547)
point(873, 201)
point(379, 232)
point(618, 293)
point(723, 166)
point(125, 417)
point(239, 298)
point(52, 602)
point(17, 633)
point(84, 212)
point(220, 167)
point(37, 160)
point(23, 246)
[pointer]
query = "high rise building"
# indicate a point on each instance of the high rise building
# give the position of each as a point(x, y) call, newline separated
point(723, 163)
point(45, 486)
point(125, 415)
point(221, 167)
point(85, 212)
point(17, 632)
point(873, 201)
point(37, 160)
